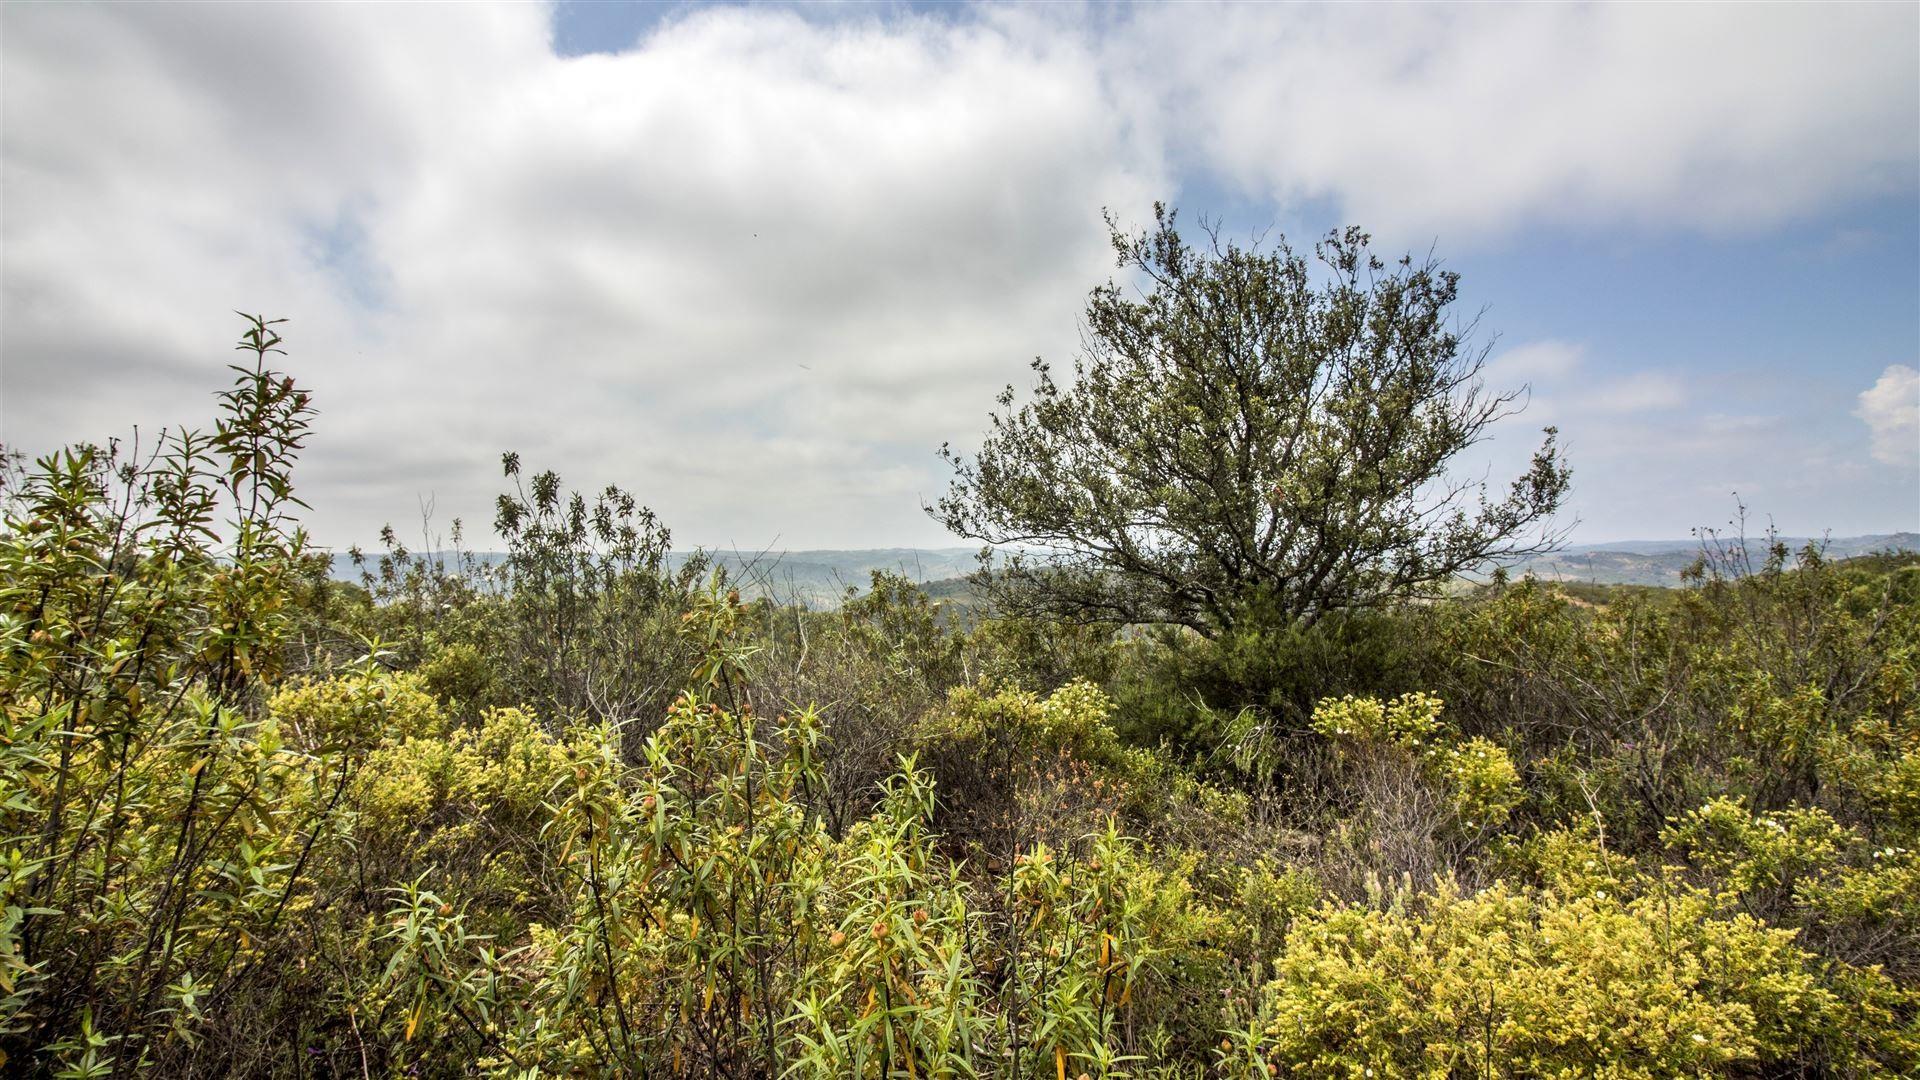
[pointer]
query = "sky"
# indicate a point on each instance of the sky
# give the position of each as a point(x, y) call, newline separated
point(757, 264)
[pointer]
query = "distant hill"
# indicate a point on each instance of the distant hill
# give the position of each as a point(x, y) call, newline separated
point(815, 578)
point(820, 578)
point(1661, 562)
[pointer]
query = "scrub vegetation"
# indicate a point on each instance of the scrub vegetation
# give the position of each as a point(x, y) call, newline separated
point(1226, 774)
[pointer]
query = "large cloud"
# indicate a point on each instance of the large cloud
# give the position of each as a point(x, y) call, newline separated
point(1468, 118)
point(760, 264)
point(1891, 409)
point(759, 267)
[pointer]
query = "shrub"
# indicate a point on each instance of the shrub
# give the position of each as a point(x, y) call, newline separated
point(1503, 980)
point(1479, 778)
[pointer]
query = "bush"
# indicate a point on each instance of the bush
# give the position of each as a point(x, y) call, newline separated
point(1447, 984)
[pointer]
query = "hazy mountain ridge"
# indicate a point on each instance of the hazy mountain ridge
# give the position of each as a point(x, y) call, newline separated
point(817, 578)
point(820, 577)
point(1661, 562)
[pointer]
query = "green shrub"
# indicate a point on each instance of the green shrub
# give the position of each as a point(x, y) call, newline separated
point(1446, 984)
point(1479, 778)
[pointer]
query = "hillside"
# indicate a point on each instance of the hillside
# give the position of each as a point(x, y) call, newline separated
point(813, 578)
point(1661, 562)
point(819, 578)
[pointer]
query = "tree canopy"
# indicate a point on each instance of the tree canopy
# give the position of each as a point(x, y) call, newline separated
point(1247, 425)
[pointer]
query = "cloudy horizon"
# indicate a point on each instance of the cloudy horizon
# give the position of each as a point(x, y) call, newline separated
point(757, 264)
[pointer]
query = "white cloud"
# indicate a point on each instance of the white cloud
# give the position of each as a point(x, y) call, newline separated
point(1561, 384)
point(1478, 118)
point(1535, 360)
point(758, 268)
point(1891, 409)
point(761, 264)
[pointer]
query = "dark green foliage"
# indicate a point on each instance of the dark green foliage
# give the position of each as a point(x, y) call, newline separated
point(1190, 692)
point(1251, 425)
point(587, 622)
point(578, 620)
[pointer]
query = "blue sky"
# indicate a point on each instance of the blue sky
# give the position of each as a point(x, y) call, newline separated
point(757, 263)
point(580, 29)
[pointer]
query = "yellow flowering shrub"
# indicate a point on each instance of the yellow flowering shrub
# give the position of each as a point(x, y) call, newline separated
point(503, 766)
point(1480, 779)
point(1072, 719)
point(1748, 854)
point(1886, 891)
point(1478, 776)
point(1410, 720)
point(1570, 862)
point(1894, 789)
point(1523, 983)
point(361, 709)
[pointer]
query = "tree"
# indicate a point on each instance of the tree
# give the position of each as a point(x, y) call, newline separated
point(1249, 428)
